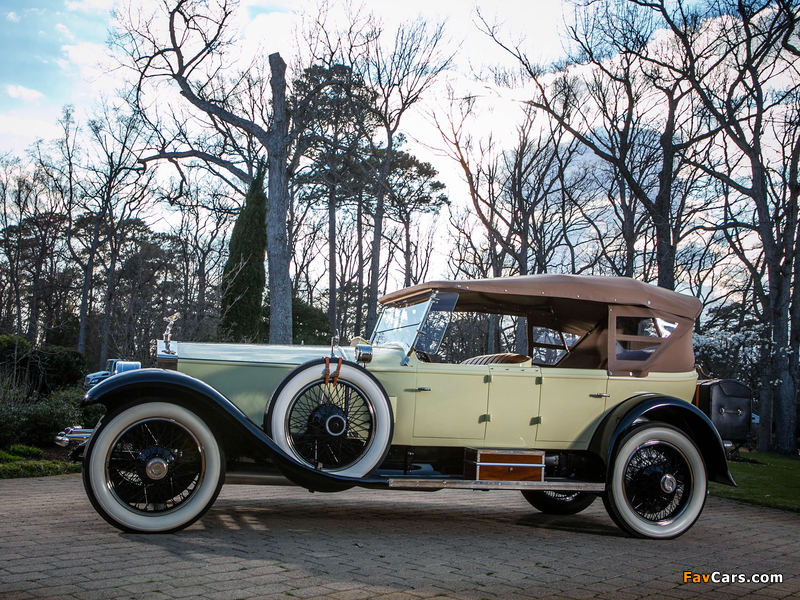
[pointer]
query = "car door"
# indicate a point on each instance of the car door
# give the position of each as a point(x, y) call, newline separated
point(513, 406)
point(572, 403)
point(451, 403)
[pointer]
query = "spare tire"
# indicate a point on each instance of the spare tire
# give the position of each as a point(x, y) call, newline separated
point(344, 426)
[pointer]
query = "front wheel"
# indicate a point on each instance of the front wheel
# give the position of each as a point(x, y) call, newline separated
point(657, 483)
point(154, 467)
point(343, 427)
point(559, 503)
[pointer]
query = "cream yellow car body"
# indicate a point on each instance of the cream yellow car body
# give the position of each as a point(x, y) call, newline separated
point(513, 406)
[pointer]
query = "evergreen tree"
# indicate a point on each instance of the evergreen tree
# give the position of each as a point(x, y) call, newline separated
point(244, 278)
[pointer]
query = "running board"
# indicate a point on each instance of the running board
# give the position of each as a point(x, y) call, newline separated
point(461, 484)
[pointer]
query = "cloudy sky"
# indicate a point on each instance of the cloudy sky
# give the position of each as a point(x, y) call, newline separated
point(55, 53)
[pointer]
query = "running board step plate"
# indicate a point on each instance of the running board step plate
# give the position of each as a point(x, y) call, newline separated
point(462, 484)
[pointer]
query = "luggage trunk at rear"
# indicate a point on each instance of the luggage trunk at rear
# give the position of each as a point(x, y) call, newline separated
point(728, 404)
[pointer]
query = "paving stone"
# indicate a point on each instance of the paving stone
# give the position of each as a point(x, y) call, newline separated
point(265, 542)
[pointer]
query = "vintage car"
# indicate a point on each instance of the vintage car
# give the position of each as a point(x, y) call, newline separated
point(114, 366)
point(600, 404)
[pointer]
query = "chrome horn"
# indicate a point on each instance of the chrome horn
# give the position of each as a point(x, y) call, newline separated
point(73, 434)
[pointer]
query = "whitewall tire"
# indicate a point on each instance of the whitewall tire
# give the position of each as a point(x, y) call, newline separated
point(154, 467)
point(657, 483)
point(344, 428)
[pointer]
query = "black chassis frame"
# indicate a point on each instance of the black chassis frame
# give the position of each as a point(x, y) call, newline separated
point(240, 437)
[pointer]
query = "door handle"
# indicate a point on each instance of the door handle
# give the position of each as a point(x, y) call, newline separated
point(423, 389)
point(599, 395)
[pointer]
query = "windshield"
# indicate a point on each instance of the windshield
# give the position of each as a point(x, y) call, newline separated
point(421, 325)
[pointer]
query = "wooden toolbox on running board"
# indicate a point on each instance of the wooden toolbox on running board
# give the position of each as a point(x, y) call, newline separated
point(503, 465)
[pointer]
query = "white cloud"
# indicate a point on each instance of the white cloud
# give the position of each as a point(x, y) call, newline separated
point(13, 17)
point(91, 64)
point(85, 54)
point(23, 93)
point(89, 5)
point(19, 130)
point(63, 30)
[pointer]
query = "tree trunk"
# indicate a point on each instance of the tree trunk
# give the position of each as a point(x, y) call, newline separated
point(33, 308)
point(88, 274)
point(407, 257)
point(280, 285)
point(360, 278)
point(665, 254)
point(332, 255)
point(106, 334)
point(375, 262)
point(784, 393)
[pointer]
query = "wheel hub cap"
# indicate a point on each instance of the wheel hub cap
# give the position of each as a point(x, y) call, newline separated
point(157, 469)
point(335, 425)
point(328, 420)
point(668, 484)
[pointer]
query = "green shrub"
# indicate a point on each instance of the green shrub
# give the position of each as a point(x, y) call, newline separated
point(37, 468)
point(46, 368)
point(26, 451)
point(62, 367)
point(37, 421)
point(74, 395)
point(6, 457)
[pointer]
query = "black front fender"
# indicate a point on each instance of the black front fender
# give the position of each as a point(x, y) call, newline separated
point(237, 433)
point(665, 409)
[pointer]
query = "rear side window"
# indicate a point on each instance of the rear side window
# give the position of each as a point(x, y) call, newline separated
point(549, 345)
point(637, 338)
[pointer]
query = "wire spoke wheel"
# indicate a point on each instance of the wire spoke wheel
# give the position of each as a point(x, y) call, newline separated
point(657, 482)
point(330, 426)
point(155, 466)
point(344, 428)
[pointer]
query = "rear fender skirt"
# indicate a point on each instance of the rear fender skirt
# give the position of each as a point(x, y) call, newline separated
point(665, 409)
point(237, 433)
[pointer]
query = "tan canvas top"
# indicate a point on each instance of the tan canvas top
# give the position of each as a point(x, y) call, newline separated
point(513, 295)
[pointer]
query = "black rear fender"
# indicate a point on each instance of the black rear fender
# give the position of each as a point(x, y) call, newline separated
point(237, 434)
point(664, 409)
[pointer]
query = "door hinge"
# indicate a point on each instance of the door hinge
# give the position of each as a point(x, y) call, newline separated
point(488, 379)
point(537, 381)
point(536, 421)
point(487, 418)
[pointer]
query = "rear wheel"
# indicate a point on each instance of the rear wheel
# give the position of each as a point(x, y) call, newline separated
point(344, 428)
point(559, 503)
point(657, 483)
point(154, 467)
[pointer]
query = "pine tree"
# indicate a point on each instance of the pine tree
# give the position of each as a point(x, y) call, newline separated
point(244, 278)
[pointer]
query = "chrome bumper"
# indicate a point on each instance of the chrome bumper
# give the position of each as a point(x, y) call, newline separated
point(73, 434)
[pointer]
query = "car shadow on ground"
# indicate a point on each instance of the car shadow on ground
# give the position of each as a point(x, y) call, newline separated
point(230, 523)
point(574, 524)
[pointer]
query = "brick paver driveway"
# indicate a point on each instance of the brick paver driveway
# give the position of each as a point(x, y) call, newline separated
point(284, 542)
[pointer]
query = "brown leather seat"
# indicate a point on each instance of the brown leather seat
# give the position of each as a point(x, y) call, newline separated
point(508, 358)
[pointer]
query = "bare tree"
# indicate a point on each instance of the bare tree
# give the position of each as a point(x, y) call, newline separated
point(738, 58)
point(228, 122)
point(614, 106)
point(399, 71)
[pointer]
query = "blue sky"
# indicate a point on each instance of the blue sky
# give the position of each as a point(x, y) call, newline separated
point(35, 45)
point(49, 48)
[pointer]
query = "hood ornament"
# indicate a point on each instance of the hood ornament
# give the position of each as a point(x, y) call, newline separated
point(170, 321)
